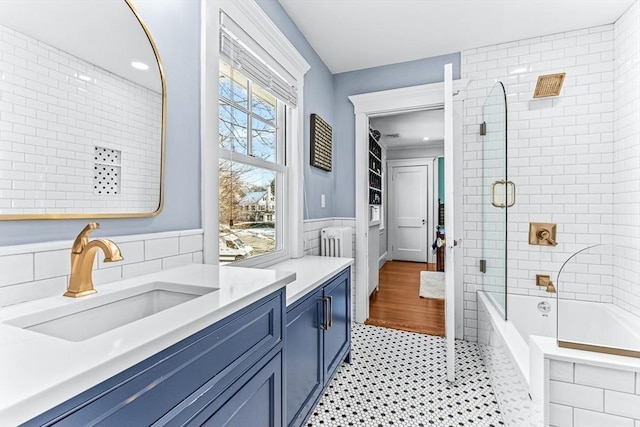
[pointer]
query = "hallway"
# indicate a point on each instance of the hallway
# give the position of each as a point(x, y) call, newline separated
point(398, 305)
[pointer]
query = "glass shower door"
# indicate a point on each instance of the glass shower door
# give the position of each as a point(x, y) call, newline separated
point(497, 194)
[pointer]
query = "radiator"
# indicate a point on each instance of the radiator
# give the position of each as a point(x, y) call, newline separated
point(336, 242)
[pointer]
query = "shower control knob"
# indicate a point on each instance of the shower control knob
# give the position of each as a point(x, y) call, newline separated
point(545, 235)
point(544, 307)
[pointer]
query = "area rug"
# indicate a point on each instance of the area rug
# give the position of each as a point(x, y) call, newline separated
point(432, 284)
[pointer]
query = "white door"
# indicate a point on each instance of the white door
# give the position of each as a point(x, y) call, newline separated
point(409, 213)
point(449, 209)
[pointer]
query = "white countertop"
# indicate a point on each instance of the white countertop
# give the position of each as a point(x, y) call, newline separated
point(311, 271)
point(38, 372)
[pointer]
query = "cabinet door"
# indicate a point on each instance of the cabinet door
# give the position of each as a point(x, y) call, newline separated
point(254, 400)
point(303, 357)
point(337, 337)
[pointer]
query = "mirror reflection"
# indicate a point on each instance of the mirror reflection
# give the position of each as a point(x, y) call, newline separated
point(82, 111)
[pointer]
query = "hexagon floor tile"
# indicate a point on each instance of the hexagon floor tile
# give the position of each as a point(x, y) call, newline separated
point(398, 378)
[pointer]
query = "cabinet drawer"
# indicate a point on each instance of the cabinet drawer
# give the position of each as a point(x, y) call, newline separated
point(145, 392)
point(255, 400)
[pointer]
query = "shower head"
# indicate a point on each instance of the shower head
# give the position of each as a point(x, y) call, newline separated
point(549, 85)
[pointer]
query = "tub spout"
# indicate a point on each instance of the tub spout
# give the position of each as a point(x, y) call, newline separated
point(545, 280)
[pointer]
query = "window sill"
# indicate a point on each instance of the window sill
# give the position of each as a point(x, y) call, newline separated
point(263, 260)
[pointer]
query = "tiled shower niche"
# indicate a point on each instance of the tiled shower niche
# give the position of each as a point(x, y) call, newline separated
point(107, 171)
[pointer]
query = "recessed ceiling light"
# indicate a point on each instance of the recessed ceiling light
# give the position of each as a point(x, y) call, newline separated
point(426, 138)
point(139, 65)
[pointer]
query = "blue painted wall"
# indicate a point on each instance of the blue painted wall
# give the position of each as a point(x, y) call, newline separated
point(175, 27)
point(318, 98)
point(423, 71)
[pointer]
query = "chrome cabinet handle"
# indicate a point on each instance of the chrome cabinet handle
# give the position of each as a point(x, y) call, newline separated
point(330, 299)
point(325, 309)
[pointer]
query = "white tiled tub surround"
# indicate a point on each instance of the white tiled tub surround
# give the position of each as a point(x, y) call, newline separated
point(56, 108)
point(604, 391)
point(626, 157)
point(312, 229)
point(504, 363)
point(561, 156)
point(40, 270)
point(588, 395)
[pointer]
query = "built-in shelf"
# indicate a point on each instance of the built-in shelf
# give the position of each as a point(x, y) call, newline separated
point(375, 168)
point(375, 216)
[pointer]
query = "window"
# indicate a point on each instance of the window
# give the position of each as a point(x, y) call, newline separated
point(252, 174)
point(252, 84)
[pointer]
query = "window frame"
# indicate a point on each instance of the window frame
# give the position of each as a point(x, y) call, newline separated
point(250, 17)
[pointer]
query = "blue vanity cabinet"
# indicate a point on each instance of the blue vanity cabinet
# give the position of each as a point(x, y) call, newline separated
point(225, 374)
point(254, 400)
point(318, 340)
point(337, 336)
point(304, 350)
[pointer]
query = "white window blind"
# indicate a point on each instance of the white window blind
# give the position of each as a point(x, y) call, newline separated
point(243, 53)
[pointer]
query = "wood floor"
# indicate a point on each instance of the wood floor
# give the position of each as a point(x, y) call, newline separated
point(397, 304)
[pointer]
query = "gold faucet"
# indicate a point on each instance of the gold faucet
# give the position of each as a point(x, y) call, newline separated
point(544, 280)
point(83, 254)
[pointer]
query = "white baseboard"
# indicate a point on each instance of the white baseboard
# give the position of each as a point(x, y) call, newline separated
point(382, 259)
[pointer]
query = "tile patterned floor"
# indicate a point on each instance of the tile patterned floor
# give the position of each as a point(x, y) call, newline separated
point(398, 379)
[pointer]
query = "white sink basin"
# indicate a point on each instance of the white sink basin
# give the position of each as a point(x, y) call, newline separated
point(96, 314)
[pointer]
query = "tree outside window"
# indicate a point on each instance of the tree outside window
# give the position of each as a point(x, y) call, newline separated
point(249, 171)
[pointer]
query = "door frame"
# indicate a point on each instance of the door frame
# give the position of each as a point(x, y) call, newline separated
point(405, 99)
point(429, 235)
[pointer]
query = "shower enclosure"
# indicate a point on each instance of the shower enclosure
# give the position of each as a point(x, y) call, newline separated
point(595, 302)
point(497, 196)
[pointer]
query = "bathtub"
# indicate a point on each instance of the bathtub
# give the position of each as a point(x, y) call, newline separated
point(537, 383)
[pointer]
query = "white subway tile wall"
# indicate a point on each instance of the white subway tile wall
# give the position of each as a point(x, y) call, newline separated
point(16, 269)
point(597, 376)
point(626, 157)
point(584, 418)
point(561, 371)
point(592, 396)
point(56, 109)
point(561, 157)
point(312, 229)
point(578, 396)
point(49, 263)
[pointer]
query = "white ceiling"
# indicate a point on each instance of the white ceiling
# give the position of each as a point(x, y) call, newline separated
point(355, 34)
point(413, 127)
point(104, 33)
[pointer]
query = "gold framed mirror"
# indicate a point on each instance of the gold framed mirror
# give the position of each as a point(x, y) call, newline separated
point(83, 111)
